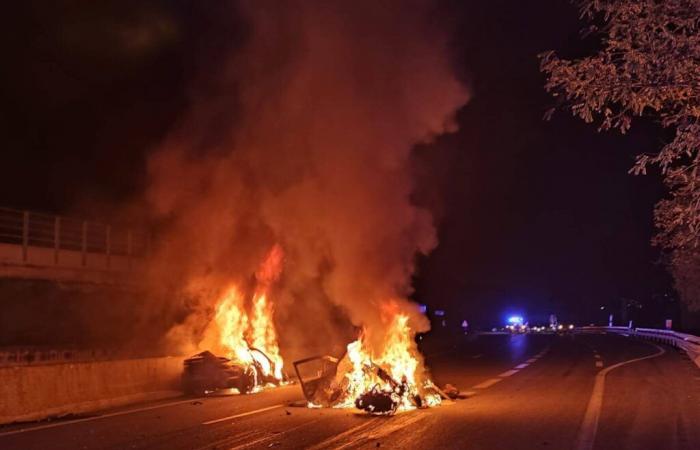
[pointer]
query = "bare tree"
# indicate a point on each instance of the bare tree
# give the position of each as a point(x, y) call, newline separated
point(648, 65)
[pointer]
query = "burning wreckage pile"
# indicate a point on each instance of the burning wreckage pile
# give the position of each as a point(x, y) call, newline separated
point(244, 330)
point(385, 384)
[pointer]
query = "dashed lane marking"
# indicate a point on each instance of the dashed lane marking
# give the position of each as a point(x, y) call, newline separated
point(599, 363)
point(236, 416)
point(490, 382)
point(101, 416)
point(487, 383)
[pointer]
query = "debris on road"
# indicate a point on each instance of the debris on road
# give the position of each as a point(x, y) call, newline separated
point(451, 391)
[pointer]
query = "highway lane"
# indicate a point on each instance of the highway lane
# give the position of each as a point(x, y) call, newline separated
point(524, 392)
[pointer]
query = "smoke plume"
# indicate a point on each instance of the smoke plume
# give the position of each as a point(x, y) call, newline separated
point(302, 138)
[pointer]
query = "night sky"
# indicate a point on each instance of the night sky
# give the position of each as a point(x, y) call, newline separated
point(534, 217)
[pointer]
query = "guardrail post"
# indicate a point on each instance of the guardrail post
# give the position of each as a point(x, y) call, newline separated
point(108, 243)
point(83, 244)
point(56, 238)
point(25, 235)
point(129, 245)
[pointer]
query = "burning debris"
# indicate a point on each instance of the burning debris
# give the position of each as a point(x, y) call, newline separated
point(383, 385)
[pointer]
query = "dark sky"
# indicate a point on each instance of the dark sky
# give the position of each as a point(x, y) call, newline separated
point(535, 216)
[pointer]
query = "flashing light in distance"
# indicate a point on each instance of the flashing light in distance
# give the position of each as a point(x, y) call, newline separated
point(423, 309)
point(515, 320)
point(439, 312)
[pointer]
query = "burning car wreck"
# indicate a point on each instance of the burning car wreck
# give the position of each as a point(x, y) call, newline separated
point(205, 373)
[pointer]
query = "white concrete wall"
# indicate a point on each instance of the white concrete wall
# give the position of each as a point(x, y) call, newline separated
point(39, 391)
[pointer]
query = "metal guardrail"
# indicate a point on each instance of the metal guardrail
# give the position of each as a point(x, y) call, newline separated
point(58, 233)
point(687, 342)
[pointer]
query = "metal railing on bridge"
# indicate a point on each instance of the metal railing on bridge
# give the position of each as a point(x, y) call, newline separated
point(33, 238)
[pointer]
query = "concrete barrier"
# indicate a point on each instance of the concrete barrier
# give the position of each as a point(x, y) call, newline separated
point(37, 392)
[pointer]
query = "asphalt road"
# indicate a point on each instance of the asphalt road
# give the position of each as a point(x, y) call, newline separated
point(524, 392)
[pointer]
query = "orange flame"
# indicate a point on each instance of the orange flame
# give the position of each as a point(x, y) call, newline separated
point(233, 322)
point(262, 334)
point(400, 359)
point(251, 339)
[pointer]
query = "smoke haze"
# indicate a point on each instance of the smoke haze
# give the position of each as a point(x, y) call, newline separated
point(302, 138)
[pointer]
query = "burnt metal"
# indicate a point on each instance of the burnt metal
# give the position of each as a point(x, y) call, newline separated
point(206, 372)
point(315, 386)
point(378, 401)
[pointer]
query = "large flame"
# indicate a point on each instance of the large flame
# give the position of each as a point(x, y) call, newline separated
point(397, 370)
point(262, 333)
point(233, 323)
point(249, 339)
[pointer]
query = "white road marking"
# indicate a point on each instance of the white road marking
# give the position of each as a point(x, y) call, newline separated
point(487, 383)
point(599, 363)
point(350, 432)
point(522, 366)
point(508, 373)
point(249, 413)
point(102, 416)
point(385, 429)
point(596, 356)
point(589, 426)
point(531, 360)
point(275, 437)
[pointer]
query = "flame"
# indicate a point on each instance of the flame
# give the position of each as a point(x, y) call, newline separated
point(263, 336)
point(250, 340)
point(399, 359)
point(233, 322)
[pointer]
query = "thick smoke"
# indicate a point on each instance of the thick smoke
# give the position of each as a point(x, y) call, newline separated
point(302, 137)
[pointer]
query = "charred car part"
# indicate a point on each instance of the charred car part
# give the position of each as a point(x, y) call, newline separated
point(205, 372)
point(316, 375)
point(378, 401)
